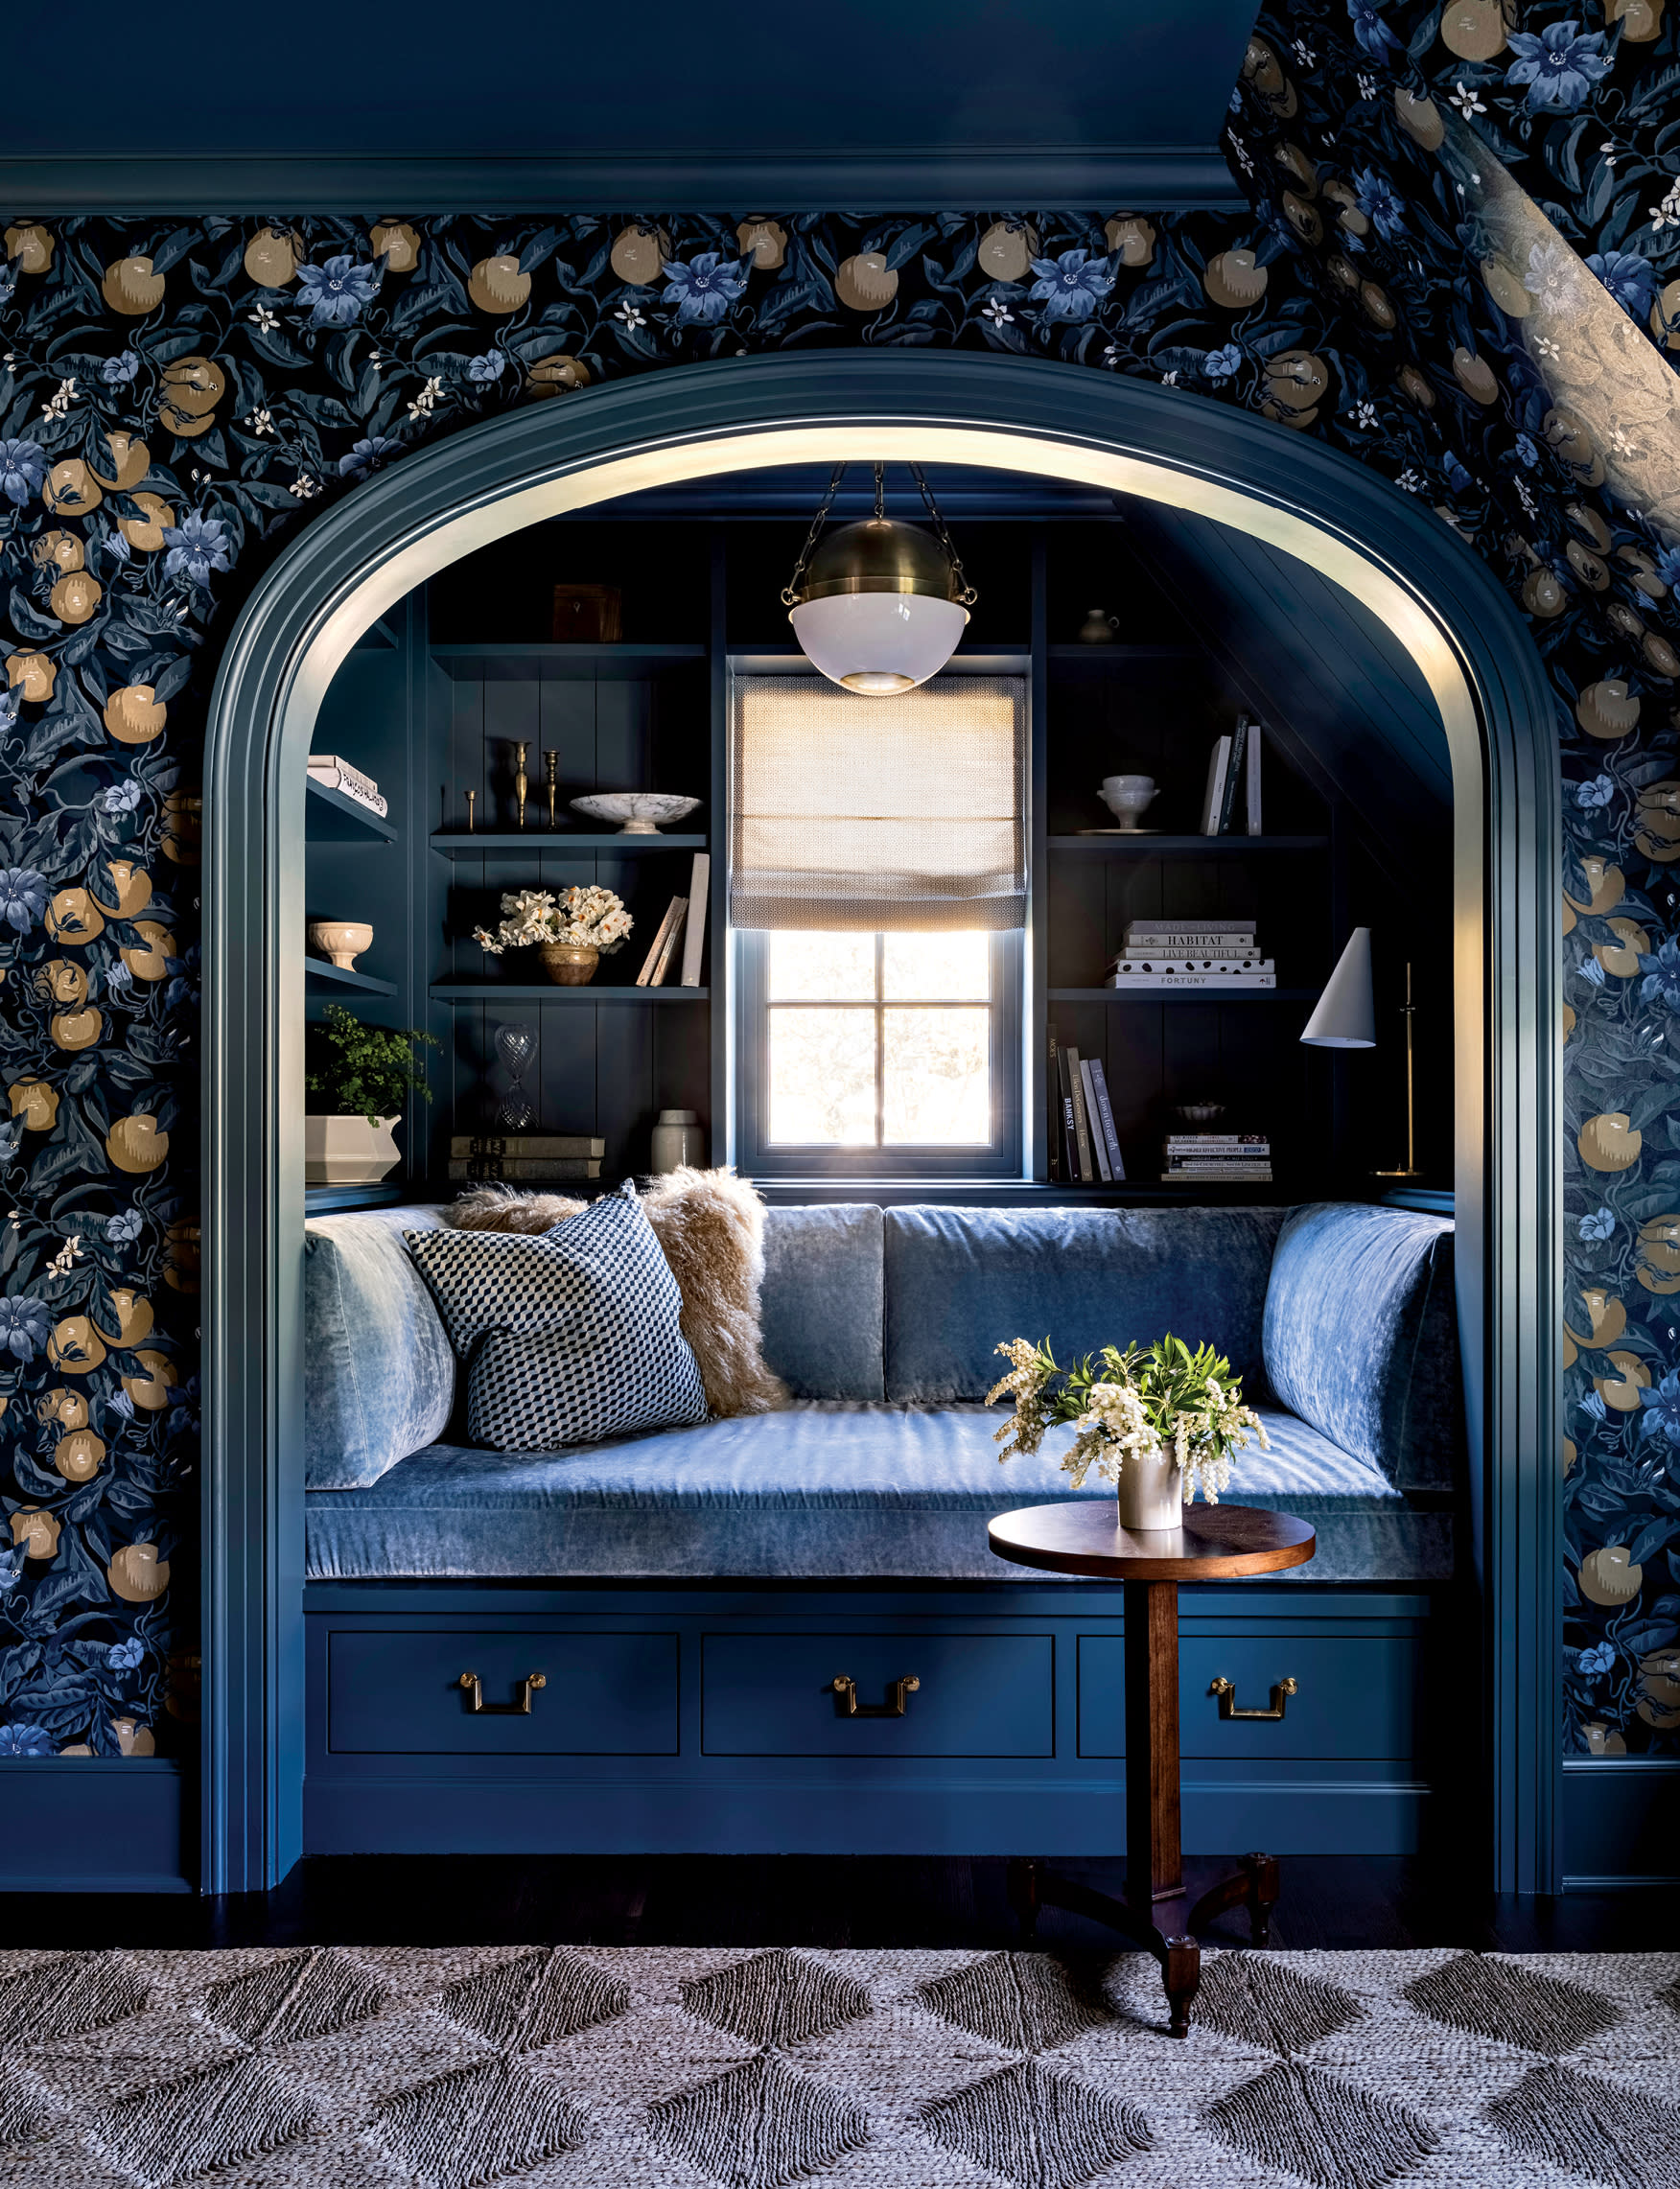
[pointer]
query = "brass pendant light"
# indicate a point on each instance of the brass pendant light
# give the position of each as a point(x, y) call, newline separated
point(880, 607)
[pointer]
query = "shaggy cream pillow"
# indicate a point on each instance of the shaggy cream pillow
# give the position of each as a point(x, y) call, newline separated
point(711, 1225)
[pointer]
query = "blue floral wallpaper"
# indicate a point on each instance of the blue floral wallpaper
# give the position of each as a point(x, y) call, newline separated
point(1462, 267)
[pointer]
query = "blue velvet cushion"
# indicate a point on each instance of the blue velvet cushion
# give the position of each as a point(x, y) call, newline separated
point(822, 1300)
point(960, 1280)
point(819, 1492)
point(379, 1370)
point(570, 1333)
point(1360, 1336)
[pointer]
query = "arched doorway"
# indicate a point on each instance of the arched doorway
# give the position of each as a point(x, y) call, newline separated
point(1439, 601)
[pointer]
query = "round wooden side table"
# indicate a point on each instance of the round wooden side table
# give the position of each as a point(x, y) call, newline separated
point(1216, 1543)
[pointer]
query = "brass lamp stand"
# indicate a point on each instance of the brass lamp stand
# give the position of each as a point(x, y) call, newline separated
point(1411, 1170)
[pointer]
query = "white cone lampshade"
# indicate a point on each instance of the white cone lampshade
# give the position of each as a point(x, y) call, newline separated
point(1345, 1017)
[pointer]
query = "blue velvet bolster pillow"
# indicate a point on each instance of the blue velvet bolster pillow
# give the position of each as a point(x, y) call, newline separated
point(960, 1280)
point(1362, 1336)
point(379, 1371)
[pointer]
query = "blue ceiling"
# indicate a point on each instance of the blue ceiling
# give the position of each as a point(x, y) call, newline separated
point(887, 91)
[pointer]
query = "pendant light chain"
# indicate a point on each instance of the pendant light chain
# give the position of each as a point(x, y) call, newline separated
point(790, 592)
point(880, 507)
point(966, 592)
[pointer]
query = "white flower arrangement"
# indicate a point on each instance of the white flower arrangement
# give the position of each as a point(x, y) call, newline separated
point(586, 916)
point(1145, 1402)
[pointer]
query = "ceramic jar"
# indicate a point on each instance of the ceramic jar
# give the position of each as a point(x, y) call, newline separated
point(677, 1139)
point(571, 963)
point(1098, 629)
point(1152, 1493)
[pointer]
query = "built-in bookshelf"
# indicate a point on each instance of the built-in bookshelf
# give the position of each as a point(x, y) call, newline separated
point(434, 700)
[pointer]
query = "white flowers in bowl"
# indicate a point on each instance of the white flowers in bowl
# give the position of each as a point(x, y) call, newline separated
point(1143, 1406)
point(585, 917)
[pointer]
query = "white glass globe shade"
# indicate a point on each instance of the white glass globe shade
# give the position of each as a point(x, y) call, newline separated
point(879, 643)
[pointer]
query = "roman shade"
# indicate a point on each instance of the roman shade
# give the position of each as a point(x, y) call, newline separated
point(903, 814)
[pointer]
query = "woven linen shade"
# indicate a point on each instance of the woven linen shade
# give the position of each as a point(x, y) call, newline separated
point(903, 814)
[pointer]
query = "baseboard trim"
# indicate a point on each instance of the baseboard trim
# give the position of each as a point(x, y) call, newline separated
point(427, 1816)
point(76, 1817)
point(1620, 1822)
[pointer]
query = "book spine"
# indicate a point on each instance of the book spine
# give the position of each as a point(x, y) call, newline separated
point(1081, 1130)
point(1136, 927)
point(1214, 798)
point(668, 950)
point(1191, 944)
point(1053, 1097)
point(694, 940)
point(1157, 984)
point(1220, 1170)
point(529, 1170)
point(1252, 786)
point(1099, 1145)
point(664, 928)
point(529, 1144)
point(1235, 763)
point(371, 799)
point(1226, 1178)
point(343, 776)
point(1221, 965)
point(1069, 1121)
point(1106, 1119)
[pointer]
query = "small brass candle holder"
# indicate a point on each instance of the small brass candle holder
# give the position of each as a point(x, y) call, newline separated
point(552, 769)
point(522, 782)
point(471, 795)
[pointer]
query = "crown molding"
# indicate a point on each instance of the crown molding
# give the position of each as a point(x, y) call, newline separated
point(1163, 180)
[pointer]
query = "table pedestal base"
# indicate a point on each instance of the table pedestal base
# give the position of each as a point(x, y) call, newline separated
point(1166, 1928)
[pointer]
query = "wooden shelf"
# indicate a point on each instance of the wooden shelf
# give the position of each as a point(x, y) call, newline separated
point(462, 843)
point(323, 972)
point(323, 1200)
point(1118, 654)
point(1137, 844)
point(519, 664)
point(1185, 996)
point(329, 817)
point(510, 991)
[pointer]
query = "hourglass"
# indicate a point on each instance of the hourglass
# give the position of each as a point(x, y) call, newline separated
point(515, 1046)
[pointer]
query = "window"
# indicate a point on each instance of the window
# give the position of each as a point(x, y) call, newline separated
point(880, 1054)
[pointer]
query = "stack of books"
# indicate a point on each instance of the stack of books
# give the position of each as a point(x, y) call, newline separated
point(526, 1158)
point(1084, 1135)
point(684, 922)
point(1217, 1158)
point(1231, 804)
point(1160, 955)
point(335, 773)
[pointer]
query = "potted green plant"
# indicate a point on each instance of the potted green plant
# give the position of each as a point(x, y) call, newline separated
point(1159, 1421)
point(358, 1083)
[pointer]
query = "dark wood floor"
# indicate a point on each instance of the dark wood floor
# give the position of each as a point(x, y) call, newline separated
point(759, 1900)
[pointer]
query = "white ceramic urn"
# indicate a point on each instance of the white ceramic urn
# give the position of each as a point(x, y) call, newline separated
point(1152, 1493)
point(348, 1151)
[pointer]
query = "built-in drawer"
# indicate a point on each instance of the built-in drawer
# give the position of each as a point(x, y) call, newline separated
point(400, 1694)
point(978, 1694)
point(1356, 1696)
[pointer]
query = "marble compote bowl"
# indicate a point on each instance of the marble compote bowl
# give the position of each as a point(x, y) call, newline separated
point(637, 812)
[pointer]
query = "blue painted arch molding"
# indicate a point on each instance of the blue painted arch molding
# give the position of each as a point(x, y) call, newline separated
point(1409, 569)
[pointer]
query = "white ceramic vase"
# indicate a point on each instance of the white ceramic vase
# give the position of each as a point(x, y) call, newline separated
point(348, 1151)
point(1152, 1493)
point(677, 1139)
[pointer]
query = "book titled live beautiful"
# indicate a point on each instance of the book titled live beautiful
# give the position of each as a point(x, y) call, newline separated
point(525, 1170)
point(528, 1144)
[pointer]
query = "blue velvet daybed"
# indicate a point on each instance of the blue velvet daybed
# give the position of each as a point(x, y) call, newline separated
point(856, 1522)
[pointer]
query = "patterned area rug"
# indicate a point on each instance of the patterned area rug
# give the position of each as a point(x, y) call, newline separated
point(643, 2068)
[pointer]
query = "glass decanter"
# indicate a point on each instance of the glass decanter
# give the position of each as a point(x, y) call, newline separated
point(515, 1046)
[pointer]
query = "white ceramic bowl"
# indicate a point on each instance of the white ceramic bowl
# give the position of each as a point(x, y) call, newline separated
point(1127, 797)
point(638, 812)
point(344, 941)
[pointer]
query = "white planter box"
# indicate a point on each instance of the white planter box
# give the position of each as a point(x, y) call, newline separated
point(348, 1151)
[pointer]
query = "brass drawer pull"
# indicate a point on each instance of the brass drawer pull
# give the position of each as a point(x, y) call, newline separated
point(846, 1688)
point(520, 1707)
point(1226, 1691)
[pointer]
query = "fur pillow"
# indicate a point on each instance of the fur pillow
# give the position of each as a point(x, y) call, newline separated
point(711, 1225)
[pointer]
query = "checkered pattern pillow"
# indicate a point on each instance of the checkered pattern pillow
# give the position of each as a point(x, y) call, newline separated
point(567, 1336)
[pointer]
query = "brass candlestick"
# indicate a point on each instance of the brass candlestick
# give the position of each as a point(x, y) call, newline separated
point(1411, 1170)
point(471, 795)
point(552, 769)
point(522, 782)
